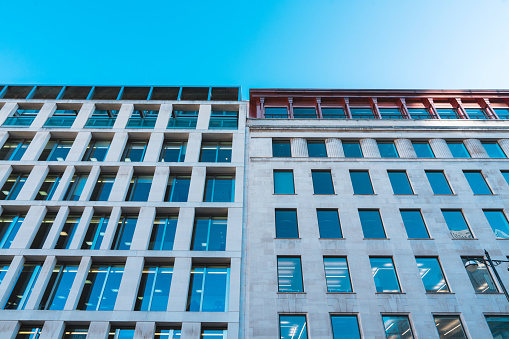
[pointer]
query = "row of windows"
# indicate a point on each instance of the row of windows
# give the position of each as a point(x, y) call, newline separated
point(352, 149)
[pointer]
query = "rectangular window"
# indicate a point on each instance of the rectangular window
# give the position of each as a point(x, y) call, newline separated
point(498, 223)
point(208, 289)
point(477, 182)
point(97, 150)
point(219, 188)
point(399, 182)
point(154, 288)
point(102, 118)
point(505, 174)
point(223, 120)
point(457, 224)
point(23, 287)
point(328, 223)
point(58, 288)
point(432, 275)
point(361, 182)
point(21, 117)
point(337, 275)
point(9, 227)
point(276, 113)
point(316, 148)
point(209, 234)
point(387, 149)
point(283, 182)
point(362, 113)
point(168, 333)
point(3, 270)
point(423, 149)
point(438, 182)
point(449, 327)
point(56, 150)
point(183, 119)
point(304, 113)
point(499, 326)
point(48, 187)
point(286, 223)
point(281, 149)
point(397, 326)
point(117, 332)
point(163, 233)
point(372, 225)
point(448, 113)
point(345, 326)
point(292, 327)
point(502, 113)
point(13, 149)
point(493, 149)
point(101, 288)
point(214, 333)
point(75, 332)
point(68, 230)
point(134, 151)
point(177, 189)
point(124, 234)
point(216, 151)
point(289, 274)
point(29, 332)
point(352, 149)
point(43, 231)
point(476, 113)
point(391, 113)
point(62, 118)
point(419, 113)
point(173, 151)
point(333, 113)
point(142, 119)
point(95, 232)
point(458, 149)
point(13, 186)
point(414, 224)
point(139, 188)
point(76, 186)
point(322, 182)
point(103, 187)
point(384, 275)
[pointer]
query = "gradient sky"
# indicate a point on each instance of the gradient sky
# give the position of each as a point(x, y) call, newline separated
point(436, 44)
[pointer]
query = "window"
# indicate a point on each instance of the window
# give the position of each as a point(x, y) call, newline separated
point(177, 189)
point(304, 113)
point(97, 150)
point(276, 113)
point(58, 288)
point(3, 270)
point(101, 288)
point(139, 188)
point(419, 113)
point(102, 119)
point(333, 113)
point(134, 151)
point(345, 326)
point(13, 186)
point(493, 149)
point(220, 151)
point(476, 113)
point(76, 186)
point(449, 327)
point(154, 288)
point(387, 149)
point(75, 332)
point(477, 182)
point(362, 113)
point(450, 113)
point(457, 224)
point(289, 274)
point(384, 275)
point(43, 231)
point(322, 182)
point(423, 150)
point(328, 223)
point(163, 233)
point(124, 234)
point(293, 327)
point(67, 232)
point(337, 275)
point(95, 233)
point(183, 119)
point(209, 234)
point(316, 148)
point(498, 223)
point(281, 149)
point(223, 120)
point(286, 223)
point(173, 151)
point(438, 182)
point(458, 149)
point(432, 275)
point(23, 287)
point(371, 223)
point(505, 174)
point(48, 187)
point(117, 332)
point(103, 187)
point(214, 334)
point(168, 333)
point(56, 150)
point(142, 119)
point(397, 326)
point(399, 182)
point(352, 149)
point(361, 182)
point(391, 113)
point(219, 188)
point(9, 227)
point(414, 224)
point(13, 149)
point(208, 289)
point(22, 117)
point(502, 113)
point(62, 118)
point(283, 182)
point(29, 332)
point(499, 326)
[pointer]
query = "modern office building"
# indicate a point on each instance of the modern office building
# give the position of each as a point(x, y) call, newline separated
point(121, 212)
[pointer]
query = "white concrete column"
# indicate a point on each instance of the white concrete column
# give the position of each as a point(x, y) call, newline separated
point(233, 331)
point(10, 278)
point(238, 145)
point(121, 184)
point(154, 147)
point(145, 330)
point(504, 144)
point(163, 116)
point(123, 115)
point(234, 295)
point(204, 117)
point(440, 148)
point(33, 183)
point(128, 287)
point(52, 330)
point(4, 135)
point(117, 147)
point(63, 185)
point(234, 230)
point(239, 184)
point(36, 147)
point(159, 183)
point(177, 302)
point(77, 286)
point(41, 282)
point(9, 329)
point(79, 146)
point(90, 184)
point(191, 330)
point(405, 148)
point(81, 119)
point(141, 236)
point(184, 232)
point(197, 185)
point(82, 228)
point(7, 111)
point(29, 227)
point(475, 148)
point(98, 330)
point(5, 172)
point(299, 147)
point(369, 148)
point(193, 147)
point(242, 117)
point(56, 227)
point(110, 229)
point(46, 111)
point(334, 148)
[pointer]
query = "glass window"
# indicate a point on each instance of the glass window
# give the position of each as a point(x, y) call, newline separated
point(384, 275)
point(29, 332)
point(48, 187)
point(337, 275)
point(432, 275)
point(276, 113)
point(13, 149)
point(62, 118)
point(177, 189)
point(58, 288)
point(219, 188)
point(95, 232)
point(345, 327)
point(9, 227)
point(423, 149)
point(391, 113)
point(209, 234)
point(101, 288)
point(281, 149)
point(293, 327)
point(21, 117)
point(322, 182)
point(216, 151)
point(117, 332)
point(499, 326)
point(23, 287)
point(476, 113)
point(174, 151)
point(75, 332)
point(13, 186)
point(97, 150)
point(289, 274)
point(76, 186)
point(134, 151)
point(361, 182)
point(283, 182)
point(448, 113)
point(103, 187)
point(183, 119)
point(102, 118)
point(362, 113)
point(458, 149)
point(449, 327)
point(168, 333)
point(154, 288)
point(214, 334)
point(316, 148)
point(414, 224)
point(372, 226)
point(399, 182)
point(477, 182)
point(498, 223)
point(3, 270)
point(286, 223)
point(223, 120)
point(438, 182)
point(352, 149)
point(139, 188)
point(124, 234)
point(419, 113)
point(142, 119)
point(67, 232)
point(493, 149)
point(208, 289)
point(328, 223)
point(457, 224)
point(333, 113)
point(387, 149)
point(56, 150)
point(43, 231)
point(397, 327)
point(502, 113)
point(505, 174)
point(304, 113)
point(163, 233)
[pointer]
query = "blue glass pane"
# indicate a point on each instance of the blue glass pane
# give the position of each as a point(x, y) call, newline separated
point(67, 232)
point(388, 150)
point(390, 113)
point(174, 151)
point(293, 327)
point(58, 288)
point(498, 223)
point(276, 112)
point(95, 233)
point(476, 113)
point(438, 182)
point(214, 290)
point(223, 120)
point(60, 122)
point(23, 287)
point(304, 113)
point(163, 234)
point(449, 327)
point(423, 150)
point(328, 223)
point(141, 189)
point(372, 226)
point(477, 183)
point(457, 225)
point(345, 327)
point(29, 332)
point(97, 151)
point(141, 122)
point(124, 234)
point(102, 188)
point(333, 113)
point(317, 149)
point(352, 150)
point(99, 122)
point(502, 113)
point(384, 275)
point(362, 113)
point(135, 152)
point(337, 275)
point(154, 289)
point(397, 327)
point(9, 227)
point(431, 275)
point(283, 182)
point(3, 271)
point(419, 113)
point(414, 224)
point(195, 289)
point(505, 174)
point(209, 234)
point(18, 121)
point(286, 224)
point(322, 182)
point(177, 189)
point(361, 182)
point(458, 150)
point(219, 189)
point(499, 326)
point(445, 113)
point(399, 182)
point(281, 149)
point(493, 149)
point(289, 274)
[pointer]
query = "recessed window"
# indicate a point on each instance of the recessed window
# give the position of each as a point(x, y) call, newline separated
point(9, 227)
point(322, 182)
point(223, 120)
point(333, 113)
point(29, 332)
point(219, 188)
point(399, 182)
point(216, 151)
point(209, 234)
point(384, 275)
point(76, 186)
point(3, 271)
point(458, 149)
point(438, 182)
point(391, 113)
point(139, 188)
point(283, 182)
point(208, 289)
point(505, 174)
point(22, 117)
point(13, 149)
point(276, 113)
point(56, 150)
point(117, 332)
point(214, 333)
point(281, 149)
point(477, 182)
point(345, 326)
point(103, 187)
point(58, 288)
point(304, 113)
point(414, 224)
point(289, 274)
point(432, 275)
point(102, 118)
point(328, 223)
point(43, 231)
point(423, 149)
point(286, 223)
point(371, 223)
point(457, 224)
point(387, 149)
point(48, 187)
point(154, 288)
point(449, 327)
point(291, 326)
point(352, 149)
point(316, 148)
point(62, 118)
point(22, 289)
point(13, 186)
point(183, 119)
point(419, 113)
point(494, 150)
point(177, 189)
point(362, 113)
point(499, 325)
point(124, 233)
point(134, 151)
point(75, 332)
point(498, 223)
point(361, 182)
point(337, 275)
point(142, 119)
point(101, 288)
point(164, 332)
point(448, 113)
point(68, 231)
point(95, 232)
point(476, 113)
point(174, 151)
point(163, 233)
point(502, 113)
point(397, 326)
point(97, 150)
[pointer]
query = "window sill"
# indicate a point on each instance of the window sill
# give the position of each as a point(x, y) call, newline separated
point(382, 293)
point(341, 293)
point(284, 194)
point(331, 238)
point(420, 239)
point(284, 293)
point(502, 238)
point(412, 194)
point(445, 195)
point(466, 239)
point(439, 293)
point(287, 238)
point(365, 194)
point(324, 194)
point(485, 195)
point(376, 238)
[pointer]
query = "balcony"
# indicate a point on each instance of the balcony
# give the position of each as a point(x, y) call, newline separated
point(141, 123)
point(100, 122)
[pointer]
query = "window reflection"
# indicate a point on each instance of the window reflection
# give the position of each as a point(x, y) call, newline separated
point(384, 275)
point(289, 274)
point(293, 326)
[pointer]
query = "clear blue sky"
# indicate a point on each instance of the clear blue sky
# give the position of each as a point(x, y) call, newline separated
point(264, 43)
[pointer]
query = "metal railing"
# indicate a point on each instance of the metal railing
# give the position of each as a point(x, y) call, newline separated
point(60, 122)
point(100, 122)
point(180, 122)
point(141, 123)
point(18, 121)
